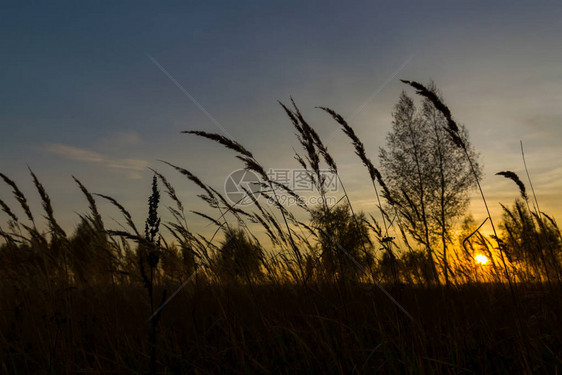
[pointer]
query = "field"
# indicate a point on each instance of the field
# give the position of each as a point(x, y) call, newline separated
point(285, 329)
point(335, 293)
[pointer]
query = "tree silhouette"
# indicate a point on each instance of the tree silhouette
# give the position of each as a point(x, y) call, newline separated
point(342, 241)
point(427, 175)
point(239, 257)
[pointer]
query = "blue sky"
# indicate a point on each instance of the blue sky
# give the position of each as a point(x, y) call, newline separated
point(81, 93)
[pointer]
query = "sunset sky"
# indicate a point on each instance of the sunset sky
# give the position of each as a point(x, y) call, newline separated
point(101, 92)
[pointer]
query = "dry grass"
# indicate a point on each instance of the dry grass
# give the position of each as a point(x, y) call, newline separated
point(321, 298)
point(284, 329)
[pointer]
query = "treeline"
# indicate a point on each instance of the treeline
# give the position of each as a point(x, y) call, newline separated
point(428, 167)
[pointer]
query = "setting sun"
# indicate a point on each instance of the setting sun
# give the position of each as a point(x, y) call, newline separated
point(481, 259)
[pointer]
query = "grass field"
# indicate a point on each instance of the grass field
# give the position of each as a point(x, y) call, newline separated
point(332, 294)
point(285, 329)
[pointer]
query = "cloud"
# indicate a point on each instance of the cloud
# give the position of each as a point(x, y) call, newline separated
point(133, 166)
point(125, 138)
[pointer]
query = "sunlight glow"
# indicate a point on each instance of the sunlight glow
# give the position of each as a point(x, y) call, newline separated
point(481, 259)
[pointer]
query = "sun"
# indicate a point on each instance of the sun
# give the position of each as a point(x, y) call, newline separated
point(481, 259)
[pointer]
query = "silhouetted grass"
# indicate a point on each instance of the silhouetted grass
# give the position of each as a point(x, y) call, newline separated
point(319, 298)
point(283, 329)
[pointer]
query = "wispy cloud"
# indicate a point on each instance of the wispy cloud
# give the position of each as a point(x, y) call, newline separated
point(124, 138)
point(133, 166)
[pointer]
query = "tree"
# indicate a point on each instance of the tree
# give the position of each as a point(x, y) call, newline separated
point(343, 241)
point(91, 254)
point(428, 176)
point(239, 257)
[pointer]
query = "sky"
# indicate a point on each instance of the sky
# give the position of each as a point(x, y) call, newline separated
point(102, 91)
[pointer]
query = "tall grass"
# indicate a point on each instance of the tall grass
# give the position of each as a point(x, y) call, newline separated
point(96, 300)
